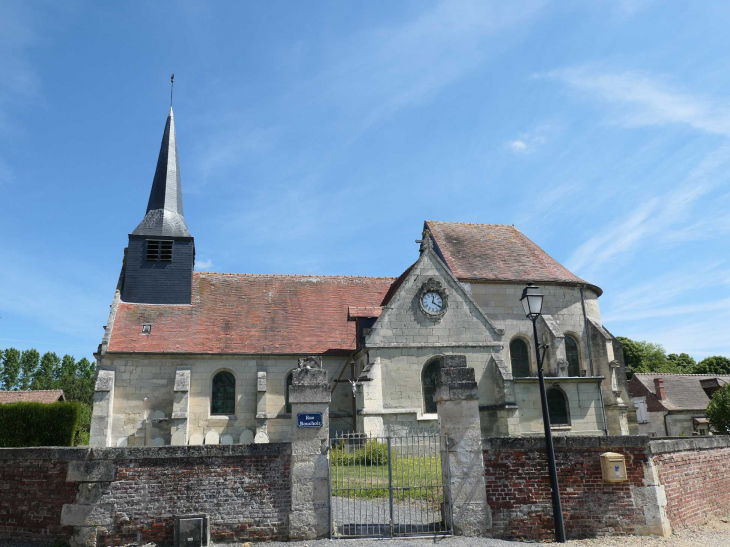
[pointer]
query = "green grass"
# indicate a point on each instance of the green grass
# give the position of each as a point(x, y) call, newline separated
point(414, 477)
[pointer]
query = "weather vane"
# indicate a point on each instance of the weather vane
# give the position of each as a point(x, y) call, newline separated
point(172, 83)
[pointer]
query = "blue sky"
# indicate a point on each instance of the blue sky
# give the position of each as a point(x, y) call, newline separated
point(315, 138)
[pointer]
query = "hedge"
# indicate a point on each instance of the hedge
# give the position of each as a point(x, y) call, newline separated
point(38, 424)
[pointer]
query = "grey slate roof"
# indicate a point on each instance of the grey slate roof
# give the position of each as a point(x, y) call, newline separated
point(684, 391)
point(165, 208)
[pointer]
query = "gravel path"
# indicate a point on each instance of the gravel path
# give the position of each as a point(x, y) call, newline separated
point(713, 534)
point(372, 516)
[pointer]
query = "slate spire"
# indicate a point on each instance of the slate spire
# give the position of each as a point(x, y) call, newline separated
point(165, 209)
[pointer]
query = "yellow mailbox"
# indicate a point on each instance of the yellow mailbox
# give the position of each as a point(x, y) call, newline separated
point(613, 467)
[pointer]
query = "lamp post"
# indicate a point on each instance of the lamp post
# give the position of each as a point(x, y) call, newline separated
point(532, 303)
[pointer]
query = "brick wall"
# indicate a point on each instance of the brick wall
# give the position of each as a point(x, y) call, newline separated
point(696, 478)
point(33, 489)
point(245, 490)
point(518, 490)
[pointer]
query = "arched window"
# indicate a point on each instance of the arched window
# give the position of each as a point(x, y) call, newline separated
point(557, 407)
point(520, 358)
point(428, 383)
point(571, 352)
point(289, 380)
point(223, 399)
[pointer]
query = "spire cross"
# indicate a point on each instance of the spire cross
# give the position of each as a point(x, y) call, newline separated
point(172, 83)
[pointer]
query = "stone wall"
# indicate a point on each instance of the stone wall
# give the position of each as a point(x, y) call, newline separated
point(695, 474)
point(518, 489)
point(132, 495)
point(153, 377)
point(671, 484)
point(33, 490)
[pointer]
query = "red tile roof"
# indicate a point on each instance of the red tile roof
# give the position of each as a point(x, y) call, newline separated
point(37, 396)
point(496, 252)
point(356, 312)
point(251, 314)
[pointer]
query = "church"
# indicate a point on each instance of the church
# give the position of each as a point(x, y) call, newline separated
point(207, 358)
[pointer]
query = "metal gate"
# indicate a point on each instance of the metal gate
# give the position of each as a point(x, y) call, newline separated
point(389, 486)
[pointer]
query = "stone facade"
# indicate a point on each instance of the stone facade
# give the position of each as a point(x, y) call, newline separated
point(480, 322)
point(147, 399)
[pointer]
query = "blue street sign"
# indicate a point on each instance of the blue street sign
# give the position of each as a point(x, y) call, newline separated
point(309, 419)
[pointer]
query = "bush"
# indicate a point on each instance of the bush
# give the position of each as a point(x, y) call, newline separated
point(82, 430)
point(718, 411)
point(373, 453)
point(38, 424)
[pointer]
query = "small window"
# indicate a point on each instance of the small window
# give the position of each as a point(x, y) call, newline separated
point(571, 352)
point(159, 250)
point(428, 383)
point(289, 380)
point(557, 407)
point(223, 399)
point(519, 358)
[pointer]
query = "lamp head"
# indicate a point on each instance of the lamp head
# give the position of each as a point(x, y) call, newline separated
point(532, 301)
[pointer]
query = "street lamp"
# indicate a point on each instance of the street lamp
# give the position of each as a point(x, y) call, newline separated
point(532, 304)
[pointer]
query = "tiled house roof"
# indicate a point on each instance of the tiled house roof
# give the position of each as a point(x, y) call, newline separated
point(683, 391)
point(496, 252)
point(251, 314)
point(37, 396)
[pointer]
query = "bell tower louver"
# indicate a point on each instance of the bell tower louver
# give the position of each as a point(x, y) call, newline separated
point(161, 252)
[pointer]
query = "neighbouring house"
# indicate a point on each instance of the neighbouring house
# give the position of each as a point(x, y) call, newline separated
point(673, 405)
point(191, 357)
point(39, 396)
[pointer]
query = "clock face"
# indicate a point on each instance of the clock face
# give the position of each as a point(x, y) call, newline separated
point(432, 302)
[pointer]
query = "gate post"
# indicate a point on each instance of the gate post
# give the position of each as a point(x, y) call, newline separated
point(458, 411)
point(309, 394)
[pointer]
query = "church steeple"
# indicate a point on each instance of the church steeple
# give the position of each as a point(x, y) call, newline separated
point(160, 258)
point(165, 208)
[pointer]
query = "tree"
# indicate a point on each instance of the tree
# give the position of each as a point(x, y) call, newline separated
point(718, 411)
point(683, 362)
point(67, 368)
point(29, 365)
point(11, 368)
point(47, 372)
point(85, 369)
point(717, 364)
point(642, 356)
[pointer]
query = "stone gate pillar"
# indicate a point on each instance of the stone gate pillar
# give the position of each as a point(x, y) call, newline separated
point(103, 409)
point(309, 395)
point(458, 410)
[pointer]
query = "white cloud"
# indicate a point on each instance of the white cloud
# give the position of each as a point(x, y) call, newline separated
point(518, 145)
point(203, 265)
point(653, 218)
point(20, 81)
point(643, 99)
point(387, 68)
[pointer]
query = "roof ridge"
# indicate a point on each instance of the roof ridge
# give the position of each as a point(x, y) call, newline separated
point(28, 390)
point(297, 275)
point(472, 223)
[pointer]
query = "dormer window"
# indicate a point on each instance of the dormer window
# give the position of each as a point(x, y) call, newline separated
point(159, 250)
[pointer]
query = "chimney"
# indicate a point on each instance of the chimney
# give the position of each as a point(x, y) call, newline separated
point(659, 388)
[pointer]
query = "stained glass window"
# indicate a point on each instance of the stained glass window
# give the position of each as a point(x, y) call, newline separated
point(519, 358)
point(223, 400)
point(571, 352)
point(557, 407)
